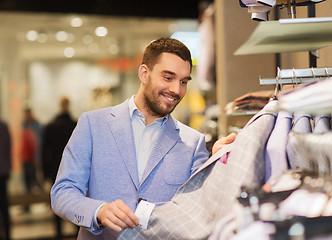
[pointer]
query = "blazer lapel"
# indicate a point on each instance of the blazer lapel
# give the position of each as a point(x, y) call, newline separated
point(165, 141)
point(121, 128)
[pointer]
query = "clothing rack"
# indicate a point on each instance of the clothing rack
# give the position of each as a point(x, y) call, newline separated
point(297, 76)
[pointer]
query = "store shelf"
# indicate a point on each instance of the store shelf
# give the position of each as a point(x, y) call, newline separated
point(288, 35)
point(244, 113)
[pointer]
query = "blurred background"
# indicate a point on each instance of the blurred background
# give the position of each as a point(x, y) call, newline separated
point(90, 51)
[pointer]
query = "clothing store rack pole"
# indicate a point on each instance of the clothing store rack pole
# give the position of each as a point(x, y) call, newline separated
point(312, 57)
point(277, 55)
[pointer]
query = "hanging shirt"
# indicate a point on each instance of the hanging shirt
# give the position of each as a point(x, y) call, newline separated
point(144, 136)
point(322, 123)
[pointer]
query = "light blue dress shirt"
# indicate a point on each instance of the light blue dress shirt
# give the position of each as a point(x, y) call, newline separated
point(145, 136)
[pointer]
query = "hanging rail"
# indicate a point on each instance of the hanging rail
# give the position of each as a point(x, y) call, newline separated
point(297, 76)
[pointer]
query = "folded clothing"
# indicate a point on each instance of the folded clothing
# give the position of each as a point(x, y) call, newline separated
point(253, 101)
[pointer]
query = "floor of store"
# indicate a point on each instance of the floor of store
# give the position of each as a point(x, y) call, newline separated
point(31, 215)
point(37, 223)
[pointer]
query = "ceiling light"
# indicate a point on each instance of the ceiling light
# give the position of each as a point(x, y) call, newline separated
point(101, 31)
point(69, 52)
point(32, 35)
point(61, 36)
point(76, 22)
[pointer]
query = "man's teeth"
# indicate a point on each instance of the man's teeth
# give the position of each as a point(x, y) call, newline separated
point(171, 99)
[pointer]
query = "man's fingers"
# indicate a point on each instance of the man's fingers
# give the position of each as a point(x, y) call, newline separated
point(117, 216)
point(126, 215)
point(222, 142)
point(230, 138)
point(130, 216)
point(110, 224)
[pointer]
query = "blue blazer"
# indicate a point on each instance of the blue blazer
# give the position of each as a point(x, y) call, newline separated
point(99, 165)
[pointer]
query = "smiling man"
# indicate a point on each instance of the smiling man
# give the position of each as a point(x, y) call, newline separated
point(119, 155)
point(163, 85)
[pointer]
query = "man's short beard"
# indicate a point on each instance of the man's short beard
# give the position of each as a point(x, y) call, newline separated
point(154, 109)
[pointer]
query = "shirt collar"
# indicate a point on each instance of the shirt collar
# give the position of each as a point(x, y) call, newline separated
point(133, 109)
point(132, 106)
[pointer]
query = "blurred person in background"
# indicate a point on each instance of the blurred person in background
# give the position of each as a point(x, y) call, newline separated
point(55, 137)
point(30, 144)
point(5, 167)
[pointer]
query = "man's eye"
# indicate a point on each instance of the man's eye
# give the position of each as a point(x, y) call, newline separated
point(184, 82)
point(168, 78)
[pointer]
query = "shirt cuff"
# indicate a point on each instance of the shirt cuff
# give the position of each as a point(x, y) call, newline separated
point(95, 224)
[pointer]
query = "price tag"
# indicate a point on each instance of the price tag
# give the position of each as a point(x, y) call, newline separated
point(143, 212)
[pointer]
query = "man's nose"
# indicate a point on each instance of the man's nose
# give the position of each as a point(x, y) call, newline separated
point(175, 87)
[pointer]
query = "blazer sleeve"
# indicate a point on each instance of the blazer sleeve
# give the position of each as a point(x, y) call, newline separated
point(69, 193)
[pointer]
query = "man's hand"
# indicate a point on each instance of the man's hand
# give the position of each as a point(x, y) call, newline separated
point(222, 142)
point(117, 216)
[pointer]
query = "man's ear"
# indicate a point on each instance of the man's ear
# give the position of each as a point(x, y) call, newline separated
point(142, 73)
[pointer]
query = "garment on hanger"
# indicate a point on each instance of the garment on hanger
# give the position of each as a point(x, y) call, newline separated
point(312, 151)
point(273, 214)
point(322, 123)
point(224, 228)
point(311, 98)
point(300, 195)
point(301, 124)
point(275, 153)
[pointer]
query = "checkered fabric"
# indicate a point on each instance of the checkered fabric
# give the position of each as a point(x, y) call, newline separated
point(211, 192)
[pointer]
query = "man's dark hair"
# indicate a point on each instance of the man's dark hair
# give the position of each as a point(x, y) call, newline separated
point(165, 45)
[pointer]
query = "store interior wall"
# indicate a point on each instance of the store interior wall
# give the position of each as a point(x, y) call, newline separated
point(236, 75)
